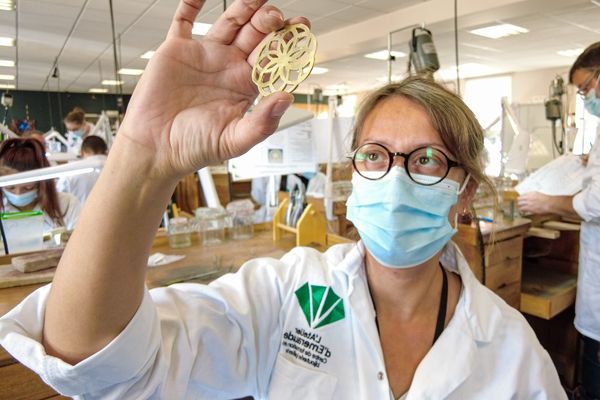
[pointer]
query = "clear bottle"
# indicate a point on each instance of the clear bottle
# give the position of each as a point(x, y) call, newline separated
point(242, 219)
point(179, 233)
point(212, 222)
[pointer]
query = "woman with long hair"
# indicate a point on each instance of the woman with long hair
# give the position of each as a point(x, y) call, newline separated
point(18, 155)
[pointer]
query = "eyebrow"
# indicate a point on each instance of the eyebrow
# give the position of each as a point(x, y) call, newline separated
point(439, 146)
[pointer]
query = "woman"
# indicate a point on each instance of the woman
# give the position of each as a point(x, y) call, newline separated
point(60, 209)
point(352, 323)
point(77, 129)
point(583, 206)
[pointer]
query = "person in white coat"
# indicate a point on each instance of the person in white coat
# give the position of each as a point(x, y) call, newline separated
point(584, 206)
point(77, 129)
point(92, 148)
point(397, 314)
point(60, 209)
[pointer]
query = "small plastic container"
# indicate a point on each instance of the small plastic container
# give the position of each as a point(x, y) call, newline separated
point(24, 230)
point(242, 216)
point(211, 225)
point(179, 233)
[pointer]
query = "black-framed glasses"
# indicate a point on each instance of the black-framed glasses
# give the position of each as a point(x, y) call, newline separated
point(584, 88)
point(425, 165)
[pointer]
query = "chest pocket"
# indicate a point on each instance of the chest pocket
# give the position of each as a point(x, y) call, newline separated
point(292, 381)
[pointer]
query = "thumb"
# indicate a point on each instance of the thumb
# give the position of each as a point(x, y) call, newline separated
point(262, 121)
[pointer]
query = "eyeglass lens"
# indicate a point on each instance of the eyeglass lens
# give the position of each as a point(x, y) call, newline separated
point(426, 165)
point(585, 86)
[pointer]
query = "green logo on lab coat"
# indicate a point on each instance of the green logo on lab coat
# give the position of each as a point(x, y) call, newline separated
point(320, 304)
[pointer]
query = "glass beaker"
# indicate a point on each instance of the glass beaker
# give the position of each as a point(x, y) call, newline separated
point(179, 233)
point(212, 222)
point(242, 219)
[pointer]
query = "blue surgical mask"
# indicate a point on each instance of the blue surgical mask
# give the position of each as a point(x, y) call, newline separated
point(592, 103)
point(401, 223)
point(78, 132)
point(21, 200)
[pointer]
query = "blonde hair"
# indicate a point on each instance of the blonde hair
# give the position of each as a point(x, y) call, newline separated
point(456, 124)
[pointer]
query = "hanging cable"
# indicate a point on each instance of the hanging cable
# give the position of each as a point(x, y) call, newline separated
point(77, 19)
point(224, 5)
point(456, 46)
point(114, 38)
point(17, 46)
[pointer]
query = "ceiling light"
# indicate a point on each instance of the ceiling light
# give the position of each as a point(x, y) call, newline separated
point(341, 86)
point(7, 63)
point(570, 52)
point(109, 82)
point(131, 71)
point(319, 71)
point(148, 55)
point(499, 31)
point(7, 5)
point(384, 55)
point(6, 86)
point(200, 28)
point(465, 70)
point(7, 42)
point(7, 77)
point(98, 90)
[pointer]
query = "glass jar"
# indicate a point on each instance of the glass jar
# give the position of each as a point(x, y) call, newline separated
point(179, 233)
point(211, 225)
point(242, 219)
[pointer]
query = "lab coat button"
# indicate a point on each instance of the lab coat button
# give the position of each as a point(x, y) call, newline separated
point(380, 375)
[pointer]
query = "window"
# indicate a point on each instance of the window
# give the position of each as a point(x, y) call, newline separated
point(484, 96)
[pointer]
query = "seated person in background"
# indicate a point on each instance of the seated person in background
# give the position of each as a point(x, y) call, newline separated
point(93, 147)
point(77, 129)
point(37, 135)
point(60, 209)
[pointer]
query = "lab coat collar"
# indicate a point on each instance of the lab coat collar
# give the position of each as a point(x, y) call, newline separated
point(482, 314)
point(476, 320)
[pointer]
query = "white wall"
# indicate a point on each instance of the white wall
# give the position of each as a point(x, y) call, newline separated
point(532, 86)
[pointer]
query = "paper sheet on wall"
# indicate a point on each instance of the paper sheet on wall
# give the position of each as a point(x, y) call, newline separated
point(288, 151)
point(562, 176)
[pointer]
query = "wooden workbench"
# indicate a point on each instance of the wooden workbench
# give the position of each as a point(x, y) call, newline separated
point(503, 250)
point(201, 264)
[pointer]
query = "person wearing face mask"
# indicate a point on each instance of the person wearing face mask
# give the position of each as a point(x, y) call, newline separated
point(584, 206)
point(397, 315)
point(19, 155)
point(77, 129)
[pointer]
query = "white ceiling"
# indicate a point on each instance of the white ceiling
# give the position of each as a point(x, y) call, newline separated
point(42, 27)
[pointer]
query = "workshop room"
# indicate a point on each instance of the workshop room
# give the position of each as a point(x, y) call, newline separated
point(300, 199)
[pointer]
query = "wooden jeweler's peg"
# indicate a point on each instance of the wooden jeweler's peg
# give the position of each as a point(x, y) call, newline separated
point(285, 60)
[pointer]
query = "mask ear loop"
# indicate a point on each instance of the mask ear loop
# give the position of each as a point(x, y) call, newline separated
point(460, 191)
point(464, 185)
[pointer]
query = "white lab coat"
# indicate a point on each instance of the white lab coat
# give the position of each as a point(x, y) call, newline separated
point(69, 207)
point(80, 185)
point(587, 204)
point(246, 334)
point(74, 141)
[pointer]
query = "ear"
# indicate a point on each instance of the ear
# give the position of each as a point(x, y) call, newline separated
point(467, 196)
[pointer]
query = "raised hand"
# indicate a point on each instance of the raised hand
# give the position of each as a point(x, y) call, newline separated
point(188, 109)
point(187, 112)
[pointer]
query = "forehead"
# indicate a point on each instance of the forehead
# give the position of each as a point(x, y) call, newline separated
point(400, 123)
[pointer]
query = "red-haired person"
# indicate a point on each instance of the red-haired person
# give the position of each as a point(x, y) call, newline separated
point(60, 209)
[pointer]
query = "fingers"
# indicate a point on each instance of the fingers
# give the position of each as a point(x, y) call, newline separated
point(263, 22)
point(183, 20)
point(260, 123)
point(256, 49)
point(233, 19)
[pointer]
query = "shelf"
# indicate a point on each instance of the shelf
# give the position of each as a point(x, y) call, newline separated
point(546, 293)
